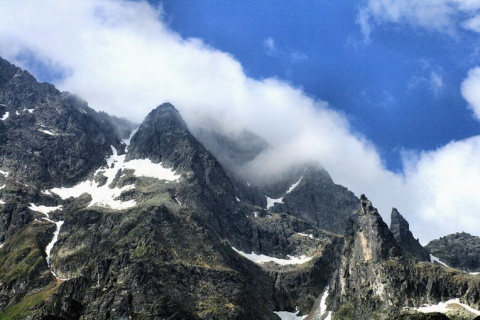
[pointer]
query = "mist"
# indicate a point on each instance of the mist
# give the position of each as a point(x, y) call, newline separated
point(123, 59)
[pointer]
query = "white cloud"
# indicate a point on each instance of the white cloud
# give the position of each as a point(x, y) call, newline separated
point(122, 58)
point(444, 185)
point(269, 45)
point(436, 15)
point(471, 90)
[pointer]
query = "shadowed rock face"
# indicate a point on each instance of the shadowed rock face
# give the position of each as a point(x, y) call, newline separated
point(404, 237)
point(48, 138)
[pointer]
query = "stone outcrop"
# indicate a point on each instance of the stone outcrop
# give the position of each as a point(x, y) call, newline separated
point(404, 237)
point(376, 279)
point(459, 250)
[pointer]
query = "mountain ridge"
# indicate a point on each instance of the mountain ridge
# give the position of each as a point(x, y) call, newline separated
point(155, 226)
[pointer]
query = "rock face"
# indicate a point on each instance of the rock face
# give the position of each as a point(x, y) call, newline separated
point(357, 283)
point(48, 138)
point(459, 250)
point(376, 279)
point(164, 137)
point(404, 237)
point(319, 200)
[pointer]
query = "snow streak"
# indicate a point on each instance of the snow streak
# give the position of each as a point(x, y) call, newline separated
point(261, 258)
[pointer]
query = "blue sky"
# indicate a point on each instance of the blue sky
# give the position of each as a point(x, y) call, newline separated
point(385, 94)
point(401, 88)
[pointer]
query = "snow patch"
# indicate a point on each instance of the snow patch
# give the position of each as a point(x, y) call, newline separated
point(236, 198)
point(56, 276)
point(3, 186)
point(434, 259)
point(1, 201)
point(271, 202)
point(443, 307)
point(474, 273)
point(255, 214)
point(5, 116)
point(29, 110)
point(4, 173)
point(306, 235)
point(323, 305)
point(129, 139)
point(1, 245)
point(105, 196)
point(50, 133)
point(261, 258)
point(49, 247)
point(293, 186)
point(146, 168)
point(43, 209)
point(285, 315)
point(17, 113)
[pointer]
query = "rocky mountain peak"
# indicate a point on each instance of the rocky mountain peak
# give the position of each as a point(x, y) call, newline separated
point(368, 236)
point(459, 250)
point(7, 71)
point(405, 239)
point(366, 207)
point(163, 137)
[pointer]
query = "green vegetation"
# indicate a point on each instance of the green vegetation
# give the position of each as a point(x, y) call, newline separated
point(346, 312)
point(27, 305)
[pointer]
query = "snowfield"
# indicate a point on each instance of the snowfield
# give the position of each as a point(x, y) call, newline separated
point(284, 315)
point(104, 195)
point(261, 258)
point(271, 202)
point(443, 307)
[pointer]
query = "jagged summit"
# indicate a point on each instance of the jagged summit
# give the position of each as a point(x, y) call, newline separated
point(368, 236)
point(160, 138)
point(366, 206)
point(404, 237)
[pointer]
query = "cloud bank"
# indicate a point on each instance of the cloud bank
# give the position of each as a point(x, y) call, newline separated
point(435, 15)
point(122, 58)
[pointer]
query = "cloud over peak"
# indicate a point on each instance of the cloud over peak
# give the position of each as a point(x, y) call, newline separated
point(124, 59)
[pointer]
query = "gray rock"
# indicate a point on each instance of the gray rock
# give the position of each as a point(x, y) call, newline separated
point(459, 250)
point(404, 237)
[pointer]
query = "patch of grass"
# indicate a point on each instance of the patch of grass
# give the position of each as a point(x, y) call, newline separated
point(27, 306)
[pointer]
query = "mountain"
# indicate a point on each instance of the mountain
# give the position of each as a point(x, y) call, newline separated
point(105, 219)
point(459, 250)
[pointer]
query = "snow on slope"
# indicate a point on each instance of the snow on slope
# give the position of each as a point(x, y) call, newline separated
point(284, 315)
point(443, 307)
point(50, 133)
point(103, 195)
point(271, 202)
point(434, 259)
point(49, 247)
point(261, 258)
point(323, 305)
point(43, 209)
point(293, 186)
